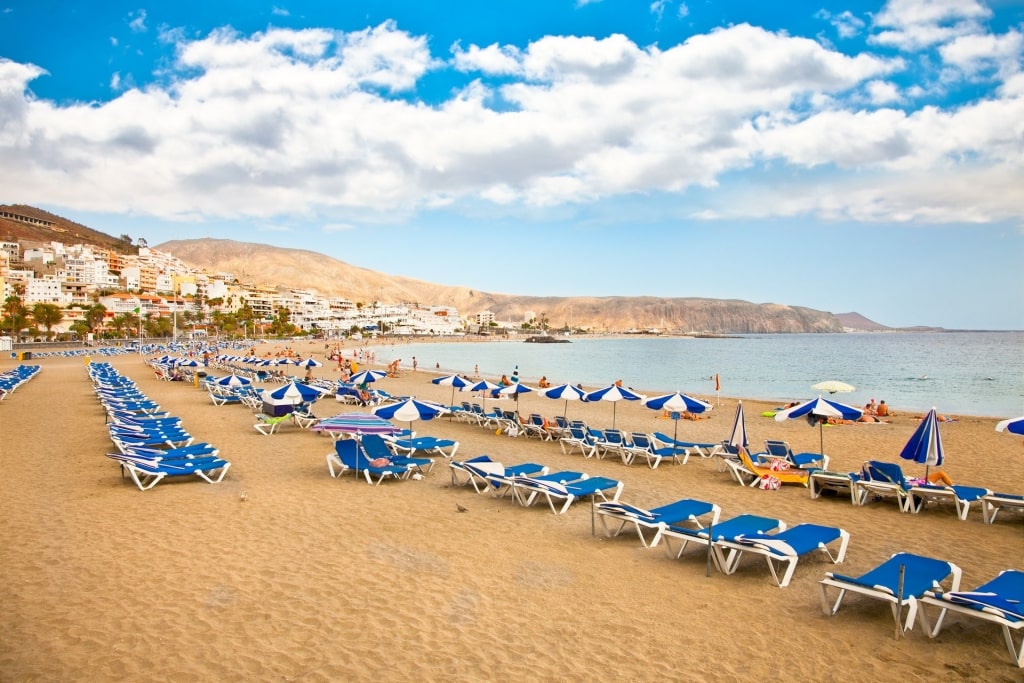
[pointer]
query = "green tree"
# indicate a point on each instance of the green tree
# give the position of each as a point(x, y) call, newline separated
point(81, 328)
point(47, 315)
point(15, 316)
point(94, 316)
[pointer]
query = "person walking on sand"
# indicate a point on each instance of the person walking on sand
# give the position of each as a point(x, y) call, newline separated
point(414, 364)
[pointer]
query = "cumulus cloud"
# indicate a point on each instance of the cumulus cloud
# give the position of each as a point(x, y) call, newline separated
point(916, 24)
point(137, 21)
point(974, 54)
point(328, 123)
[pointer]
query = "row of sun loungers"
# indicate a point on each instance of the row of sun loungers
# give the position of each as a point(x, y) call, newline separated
point(151, 444)
point(15, 377)
point(879, 480)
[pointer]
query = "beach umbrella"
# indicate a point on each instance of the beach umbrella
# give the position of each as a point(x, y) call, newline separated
point(564, 392)
point(453, 381)
point(189, 363)
point(309, 363)
point(232, 381)
point(738, 435)
point(367, 376)
point(292, 393)
point(817, 411)
point(1014, 425)
point(614, 394)
point(514, 390)
point(485, 388)
point(925, 444)
point(410, 409)
point(834, 386)
point(677, 404)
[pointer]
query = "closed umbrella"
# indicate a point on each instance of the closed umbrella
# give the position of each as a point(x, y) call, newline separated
point(564, 392)
point(614, 394)
point(925, 444)
point(738, 435)
point(817, 411)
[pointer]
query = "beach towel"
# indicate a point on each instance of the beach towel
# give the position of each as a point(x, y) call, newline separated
point(769, 483)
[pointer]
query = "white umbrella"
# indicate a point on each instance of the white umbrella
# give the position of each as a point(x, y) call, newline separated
point(834, 386)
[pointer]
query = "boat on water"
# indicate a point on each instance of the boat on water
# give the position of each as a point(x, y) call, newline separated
point(546, 339)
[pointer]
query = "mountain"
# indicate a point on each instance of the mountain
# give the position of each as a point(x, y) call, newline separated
point(855, 321)
point(301, 269)
point(27, 223)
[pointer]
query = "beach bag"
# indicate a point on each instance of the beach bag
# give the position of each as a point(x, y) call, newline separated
point(380, 462)
point(779, 465)
point(513, 431)
point(769, 483)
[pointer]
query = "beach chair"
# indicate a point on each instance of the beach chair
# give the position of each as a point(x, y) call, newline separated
point(408, 447)
point(485, 474)
point(566, 487)
point(780, 449)
point(881, 480)
point(347, 456)
point(822, 482)
point(741, 525)
point(919, 574)
point(612, 441)
point(642, 445)
point(376, 448)
point(992, 503)
point(961, 497)
point(540, 424)
point(999, 601)
point(148, 473)
point(578, 438)
point(703, 450)
point(686, 510)
point(784, 549)
point(303, 417)
point(269, 424)
point(748, 473)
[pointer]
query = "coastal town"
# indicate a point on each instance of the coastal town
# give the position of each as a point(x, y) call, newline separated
point(73, 292)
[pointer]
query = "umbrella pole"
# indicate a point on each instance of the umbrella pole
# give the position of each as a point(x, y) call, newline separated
point(614, 408)
point(821, 436)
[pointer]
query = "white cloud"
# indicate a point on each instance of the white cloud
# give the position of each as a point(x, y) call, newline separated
point(327, 122)
point(916, 24)
point(137, 21)
point(883, 92)
point(684, 10)
point(280, 12)
point(337, 227)
point(493, 59)
point(975, 53)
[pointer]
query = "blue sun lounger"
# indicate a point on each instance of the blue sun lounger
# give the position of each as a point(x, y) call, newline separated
point(147, 473)
point(730, 529)
point(347, 456)
point(999, 601)
point(564, 486)
point(784, 548)
point(686, 510)
point(920, 574)
point(485, 474)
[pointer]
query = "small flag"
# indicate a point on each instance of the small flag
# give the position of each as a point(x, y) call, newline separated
point(137, 310)
point(718, 385)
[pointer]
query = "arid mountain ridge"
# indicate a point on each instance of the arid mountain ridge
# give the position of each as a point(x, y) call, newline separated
point(263, 264)
point(277, 266)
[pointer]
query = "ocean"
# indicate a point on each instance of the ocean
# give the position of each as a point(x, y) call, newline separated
point(962, 373)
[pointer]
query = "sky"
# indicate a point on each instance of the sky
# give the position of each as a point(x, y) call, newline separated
point(844, 156)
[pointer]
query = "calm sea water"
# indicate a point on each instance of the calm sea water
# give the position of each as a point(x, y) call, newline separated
point(966, 373)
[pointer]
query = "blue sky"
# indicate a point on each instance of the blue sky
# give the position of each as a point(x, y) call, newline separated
point(846, 156)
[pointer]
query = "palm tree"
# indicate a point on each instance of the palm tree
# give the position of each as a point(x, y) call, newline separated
point(94, 316)
point(47, 315)
point(15, 315)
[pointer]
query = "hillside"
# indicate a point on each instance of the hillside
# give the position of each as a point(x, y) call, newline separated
point(855, 321)
point(53, 228)
point(262, 264)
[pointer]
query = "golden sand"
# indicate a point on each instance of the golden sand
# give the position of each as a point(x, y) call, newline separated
point(282, 573)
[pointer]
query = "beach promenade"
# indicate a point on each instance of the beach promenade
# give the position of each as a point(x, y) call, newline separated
point(281, 573)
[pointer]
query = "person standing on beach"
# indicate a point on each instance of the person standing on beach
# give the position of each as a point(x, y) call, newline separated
point(414, 364)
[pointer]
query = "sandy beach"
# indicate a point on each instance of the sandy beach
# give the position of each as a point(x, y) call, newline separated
point(281, 573)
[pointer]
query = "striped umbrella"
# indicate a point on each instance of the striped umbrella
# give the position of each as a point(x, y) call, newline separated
point(410, 409)
point(453, 381)
point(925, 444)
point(356, 424)
point(614, 393)
point(564, 392)
point(738, 435)
point(817, 411)
point(677, 404)
point(232, 381)
point(367, 376)
point(1014, 425)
